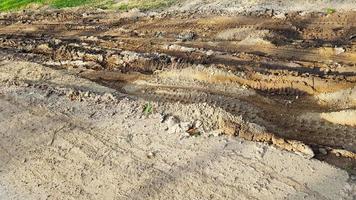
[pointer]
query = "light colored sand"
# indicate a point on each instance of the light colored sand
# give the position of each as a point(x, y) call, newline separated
point(345, 117)
point(240, 6)
point(53, 147)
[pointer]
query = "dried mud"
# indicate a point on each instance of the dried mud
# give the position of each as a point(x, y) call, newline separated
point(273, 72)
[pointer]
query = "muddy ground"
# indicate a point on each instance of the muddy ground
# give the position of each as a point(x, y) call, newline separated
point(74, 84)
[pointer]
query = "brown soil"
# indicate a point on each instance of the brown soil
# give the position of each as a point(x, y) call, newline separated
point(270, 71)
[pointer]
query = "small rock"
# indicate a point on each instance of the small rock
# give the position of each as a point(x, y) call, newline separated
point(108, 97)
point(280, 16)
point(209, 53)
point(57, 41)
point(216, 133)
point(175, 129)
point(187, 36)
point(198, 124)
point(151, 155)
point(339, 50)
point(185, 126)
point(323, 151)
point(353, 177)
point(86, 94)
point(171, 121)
point(269, 12)
point(159, 34)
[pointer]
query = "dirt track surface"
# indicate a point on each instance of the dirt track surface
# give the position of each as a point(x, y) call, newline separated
point(287, 79)
point(70, 138)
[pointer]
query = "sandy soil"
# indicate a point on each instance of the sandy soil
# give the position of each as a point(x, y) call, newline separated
point(101, 146)
point(206, 100)
point(242, 6)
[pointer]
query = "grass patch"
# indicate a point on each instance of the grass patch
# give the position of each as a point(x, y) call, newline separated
point(8, 5)
point(17, 4)
point(144, 4)
point(330, 10)
point(70, 3)
point(147, 109)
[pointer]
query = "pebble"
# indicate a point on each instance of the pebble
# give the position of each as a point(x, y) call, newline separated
point(323, 151)
point(187, 36)
point(353, 177)
point(171, 121)
point(280, 16)
point(108, 97)
point(216, 133)
point(151, 155)
point(210, 53)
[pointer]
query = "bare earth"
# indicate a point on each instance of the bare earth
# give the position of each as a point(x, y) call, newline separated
point(205, 100)
point(103, 147)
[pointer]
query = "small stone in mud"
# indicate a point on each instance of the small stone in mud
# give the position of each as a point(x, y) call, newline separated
point(216, 133)
point(353, 177)
point(187, 36)
point(323, 151)
point(170, 121)
point(108, 97)
point(86, 94)
point(151, 155)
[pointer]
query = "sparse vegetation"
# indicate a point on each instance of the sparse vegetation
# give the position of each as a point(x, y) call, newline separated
point(330, 10)
point(70, 3)
point(17, 4)
point(147, 108)
point(143, 4)
point(6, 5)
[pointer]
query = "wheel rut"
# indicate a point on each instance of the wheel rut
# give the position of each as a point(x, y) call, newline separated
point(284, 64)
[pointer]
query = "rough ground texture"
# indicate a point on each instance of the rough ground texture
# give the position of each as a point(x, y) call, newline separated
point(70, 141)
point(242, 6)
point(100, 104)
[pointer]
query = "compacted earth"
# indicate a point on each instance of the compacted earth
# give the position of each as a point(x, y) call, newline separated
point(177, 105)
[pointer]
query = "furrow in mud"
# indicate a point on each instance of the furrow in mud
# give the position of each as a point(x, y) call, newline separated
point(275, 118)
point(264, 76)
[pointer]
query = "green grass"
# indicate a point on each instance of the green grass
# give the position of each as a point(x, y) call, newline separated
point(70, 3)
point(9, 5)
point(144, 4)
point(147, 108)
point(330, 10)
point(17, 4)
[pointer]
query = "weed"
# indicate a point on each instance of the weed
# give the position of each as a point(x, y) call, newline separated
point(330, 11)
point(147, 108)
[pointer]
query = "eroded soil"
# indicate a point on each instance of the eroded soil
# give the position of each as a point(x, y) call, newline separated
point(282, 73)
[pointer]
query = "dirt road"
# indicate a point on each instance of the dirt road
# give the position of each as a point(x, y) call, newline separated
point(64, 137)
point(285, 79)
